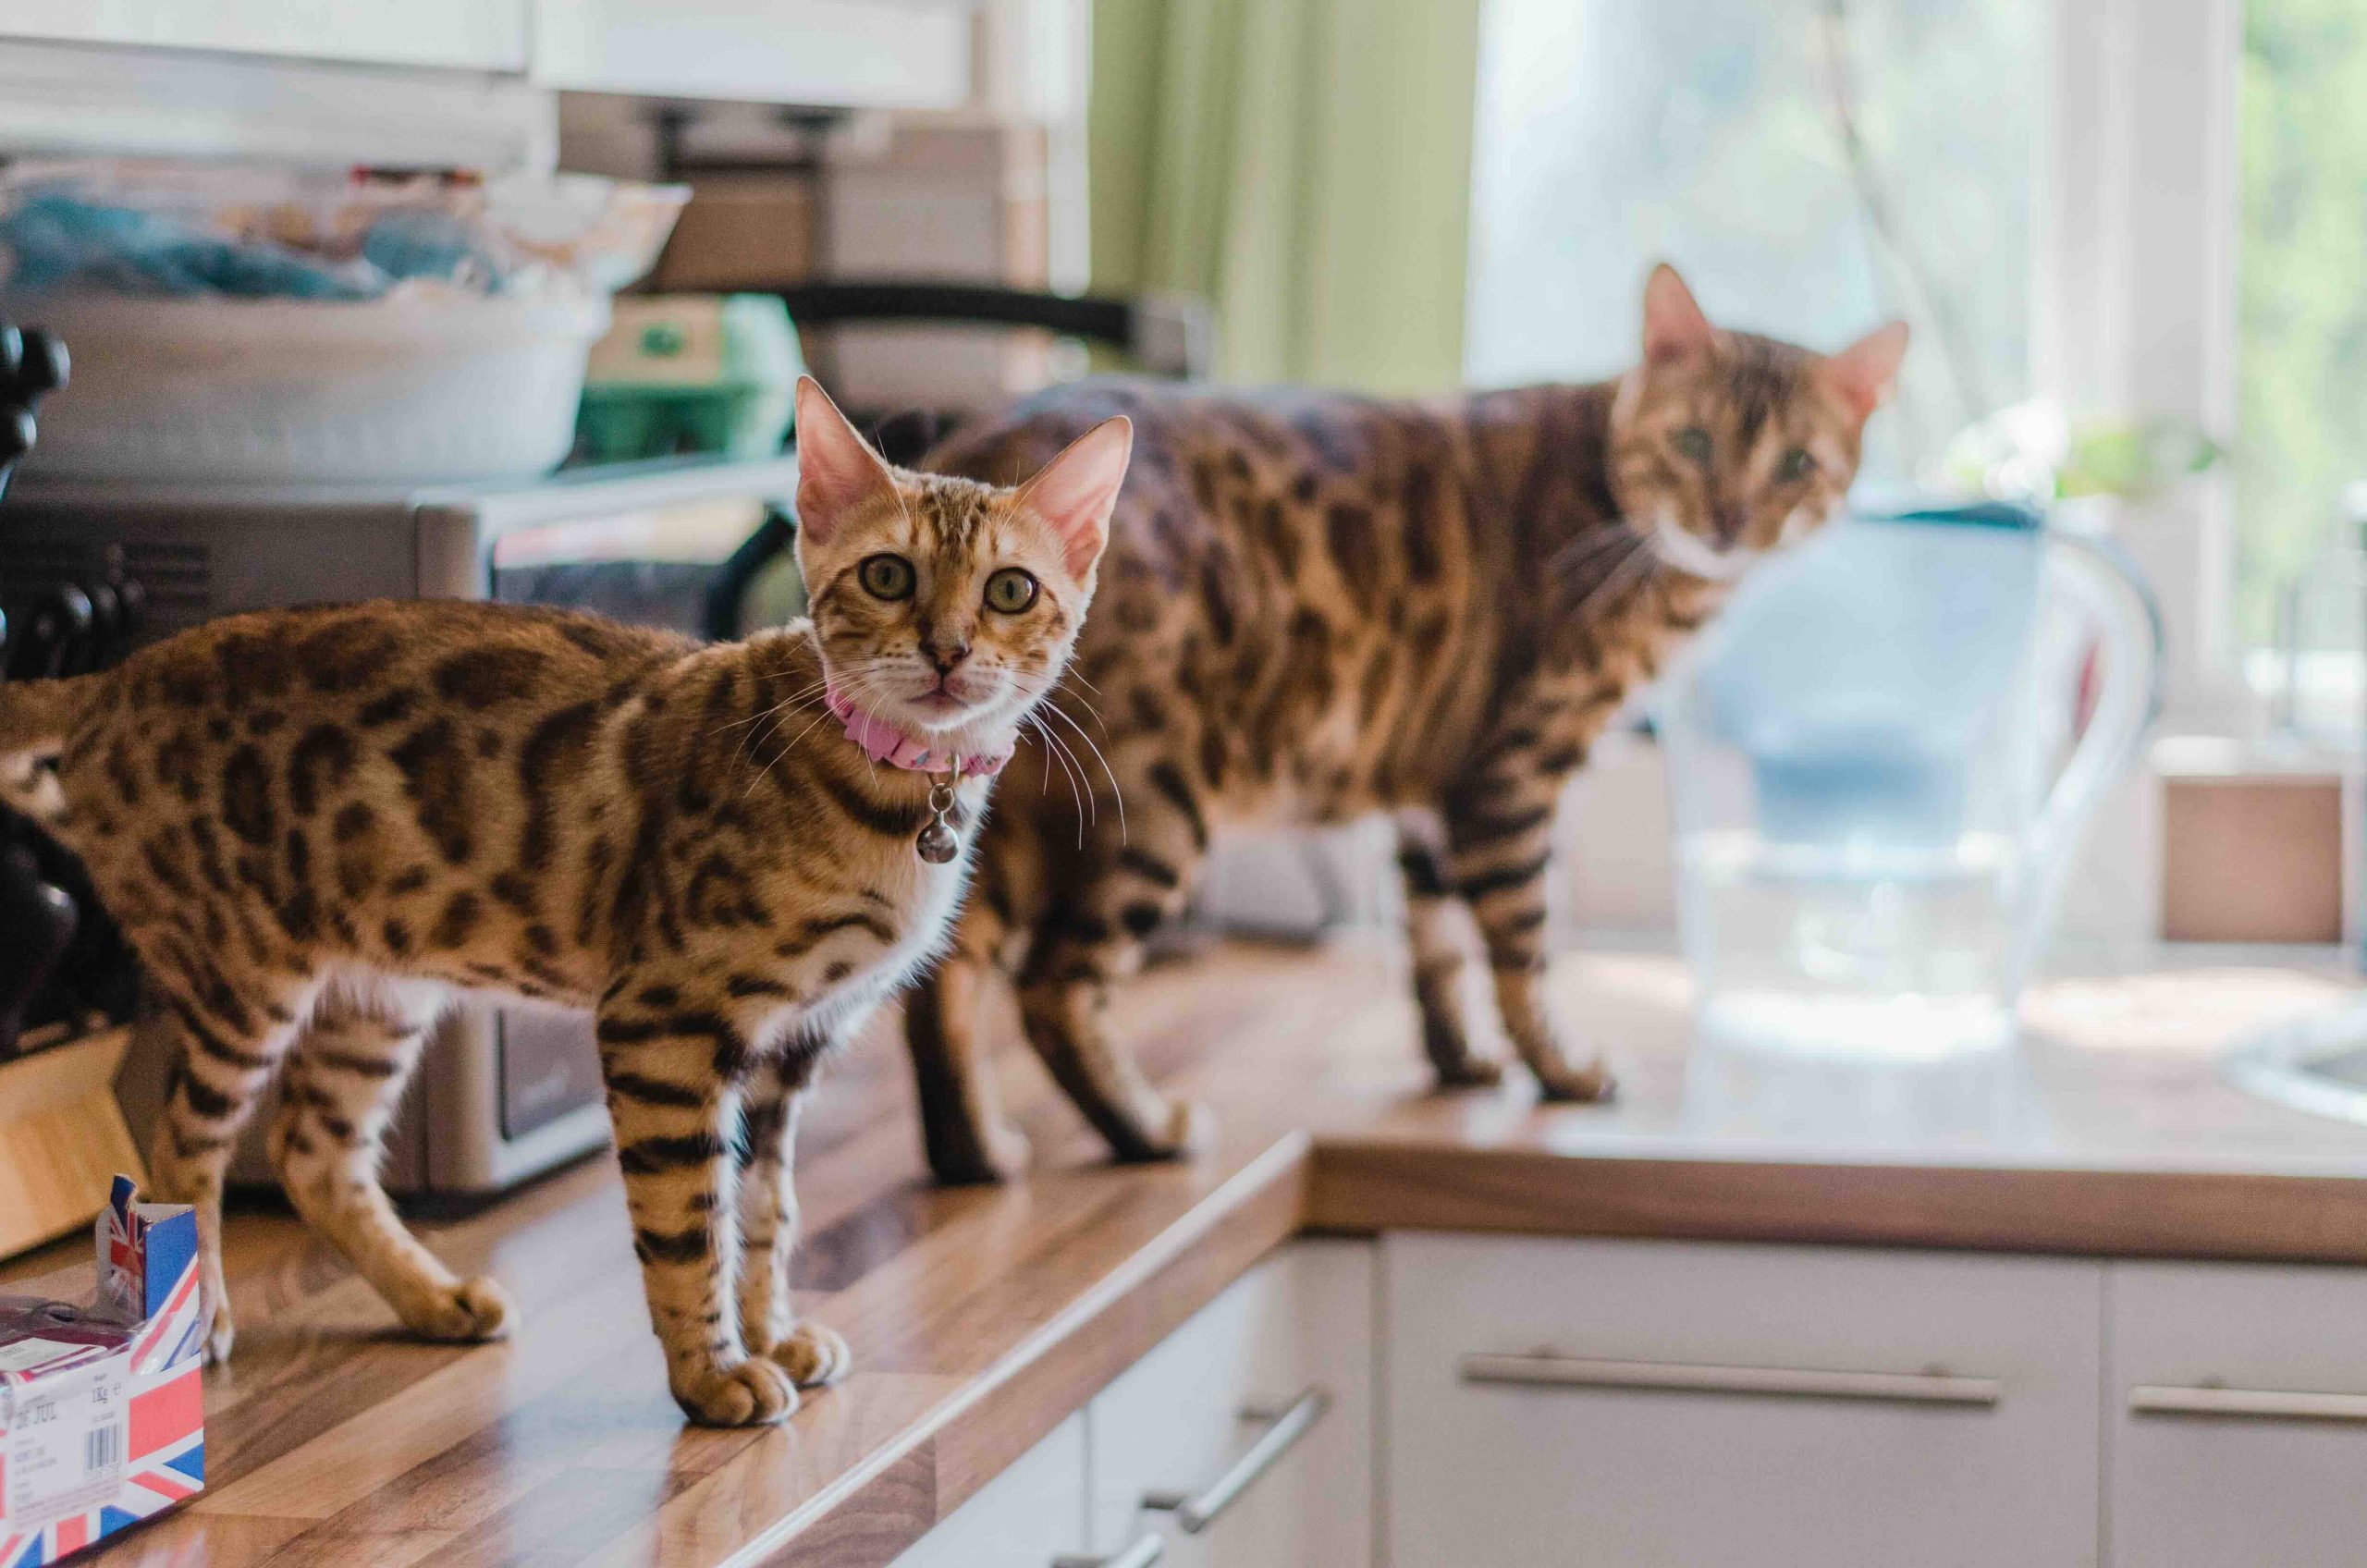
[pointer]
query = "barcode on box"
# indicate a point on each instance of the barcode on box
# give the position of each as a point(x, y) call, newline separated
point(102, 1448)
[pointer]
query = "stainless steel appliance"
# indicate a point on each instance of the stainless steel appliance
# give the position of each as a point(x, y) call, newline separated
point(502, 1094)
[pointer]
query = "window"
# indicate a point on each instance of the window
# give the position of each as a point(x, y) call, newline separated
point(1716, 133)
point(2302, 355)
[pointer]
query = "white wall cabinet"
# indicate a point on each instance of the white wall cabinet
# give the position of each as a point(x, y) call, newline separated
point(2237, 1411)
point(486, 35)
point(1562, 1401)
point(857, 54)
point(1027, 1517)
point(866, 54)
point(1259, 1410)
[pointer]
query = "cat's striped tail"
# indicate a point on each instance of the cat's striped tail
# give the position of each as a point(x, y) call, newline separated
point(36, 717)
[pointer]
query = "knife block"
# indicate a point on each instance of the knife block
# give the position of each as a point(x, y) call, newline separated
point(62, 1138)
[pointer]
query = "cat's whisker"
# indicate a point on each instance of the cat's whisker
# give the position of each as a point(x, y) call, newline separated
point(1592, 546)
point(794, 698)
point(1612, 580)
point(1116, 793)
point(1592, 539)
point(1053, 750)
point(857, 682)
point(1091, 712)
point(1633, 572)
point(1089, 805)
point(780, 714)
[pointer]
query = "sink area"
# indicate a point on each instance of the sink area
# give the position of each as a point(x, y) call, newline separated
point(2317, 1064)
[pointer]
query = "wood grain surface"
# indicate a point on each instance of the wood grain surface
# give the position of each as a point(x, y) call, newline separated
point(62, 1138)
point(982, 1318)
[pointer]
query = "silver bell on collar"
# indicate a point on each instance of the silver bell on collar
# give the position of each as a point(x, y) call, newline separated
point(939, 843)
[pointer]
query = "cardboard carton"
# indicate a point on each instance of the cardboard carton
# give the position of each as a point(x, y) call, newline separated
point(102, 1409)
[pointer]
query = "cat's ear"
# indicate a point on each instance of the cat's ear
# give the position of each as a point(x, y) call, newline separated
point(837, 470)
point(1862, 372)
point(1673, 325)
point(1075, 492)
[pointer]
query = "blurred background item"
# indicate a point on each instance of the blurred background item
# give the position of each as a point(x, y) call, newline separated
point(680, 374)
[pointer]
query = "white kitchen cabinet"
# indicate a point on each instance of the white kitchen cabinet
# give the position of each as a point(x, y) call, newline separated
point(1267, 1390)
point(2238, 1416)
point(863, 54)
point(1025, 1517)
point(488, 35)
point(1626, 1402)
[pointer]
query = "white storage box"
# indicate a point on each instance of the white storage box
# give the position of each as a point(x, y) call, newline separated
point(263, 392)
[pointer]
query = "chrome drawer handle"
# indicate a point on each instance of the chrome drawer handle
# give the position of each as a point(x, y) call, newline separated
point(1144, 1550)
point(2258, 1404)
point(1935, 1387)
point(1195, 1512)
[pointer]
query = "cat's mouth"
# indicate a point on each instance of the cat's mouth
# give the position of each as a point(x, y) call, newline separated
point(953, 701)
point(1689, 552)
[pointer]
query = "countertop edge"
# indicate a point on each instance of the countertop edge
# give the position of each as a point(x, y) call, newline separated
point(1365, 1186)
point(1049, 1375)
point(1347, 1185)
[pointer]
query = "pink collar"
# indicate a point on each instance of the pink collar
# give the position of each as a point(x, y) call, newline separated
point(882, 741)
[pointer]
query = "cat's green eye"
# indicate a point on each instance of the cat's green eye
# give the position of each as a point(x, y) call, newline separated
point(886, 577)
point(1693, 444)
point(1011, 590)
point(1796, 465)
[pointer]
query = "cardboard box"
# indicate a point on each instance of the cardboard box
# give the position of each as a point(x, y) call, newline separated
point(102, 1408)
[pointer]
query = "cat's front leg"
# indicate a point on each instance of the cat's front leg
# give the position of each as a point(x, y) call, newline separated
point(1440, 935)
point(1498, 844)
point(676, 1075)
point(810, 1353)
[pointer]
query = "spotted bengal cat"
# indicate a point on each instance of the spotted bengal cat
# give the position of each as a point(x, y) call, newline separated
point(1319, 607)
point(317, 826)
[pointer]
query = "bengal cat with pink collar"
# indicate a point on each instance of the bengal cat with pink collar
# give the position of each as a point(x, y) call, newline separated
point(318, 826)
point(1319, 607)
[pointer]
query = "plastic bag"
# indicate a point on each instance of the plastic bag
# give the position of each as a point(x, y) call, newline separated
point(247, 232)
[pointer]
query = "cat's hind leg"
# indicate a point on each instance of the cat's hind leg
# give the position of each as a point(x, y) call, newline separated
point(343, 1081)
point(810, 1353)
point(229, 1034)
point(1500, 831)
point(1128, 880)
point(1445, 948)
point(946, 1014)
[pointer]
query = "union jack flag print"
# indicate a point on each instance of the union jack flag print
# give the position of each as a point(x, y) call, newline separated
point(139, 1413)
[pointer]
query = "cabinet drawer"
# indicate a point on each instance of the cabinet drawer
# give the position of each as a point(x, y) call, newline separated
point(1291, 1342)
point(2238, 1399)
point(1682, 1404)
point(1025, 1517)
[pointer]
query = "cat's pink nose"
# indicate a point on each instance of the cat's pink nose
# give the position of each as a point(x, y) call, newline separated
point(946, 656)
point(1730, 518)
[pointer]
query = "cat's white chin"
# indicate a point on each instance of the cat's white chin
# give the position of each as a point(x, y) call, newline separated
point(969, 727)
point(1689, 552)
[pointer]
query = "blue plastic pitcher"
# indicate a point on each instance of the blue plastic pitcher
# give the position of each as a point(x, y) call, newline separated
point(1882, 756)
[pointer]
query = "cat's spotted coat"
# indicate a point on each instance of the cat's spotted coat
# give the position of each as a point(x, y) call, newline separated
point(316, 826)
point(1318, 607)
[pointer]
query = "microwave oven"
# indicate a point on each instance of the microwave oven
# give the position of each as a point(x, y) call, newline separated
point(502, 1094)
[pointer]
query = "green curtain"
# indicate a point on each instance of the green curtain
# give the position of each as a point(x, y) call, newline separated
point(1305, 165)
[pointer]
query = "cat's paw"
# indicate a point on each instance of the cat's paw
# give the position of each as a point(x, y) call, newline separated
point(1000, 1153)
point(1577, 1085)
point(475, 1309)
point(220, 1335)
point(754, 1393)
point(812, 1355)
point(1190, 1129)
point(1471, 1072)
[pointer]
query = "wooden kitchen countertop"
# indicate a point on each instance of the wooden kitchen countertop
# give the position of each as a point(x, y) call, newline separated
point(981, 1318)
